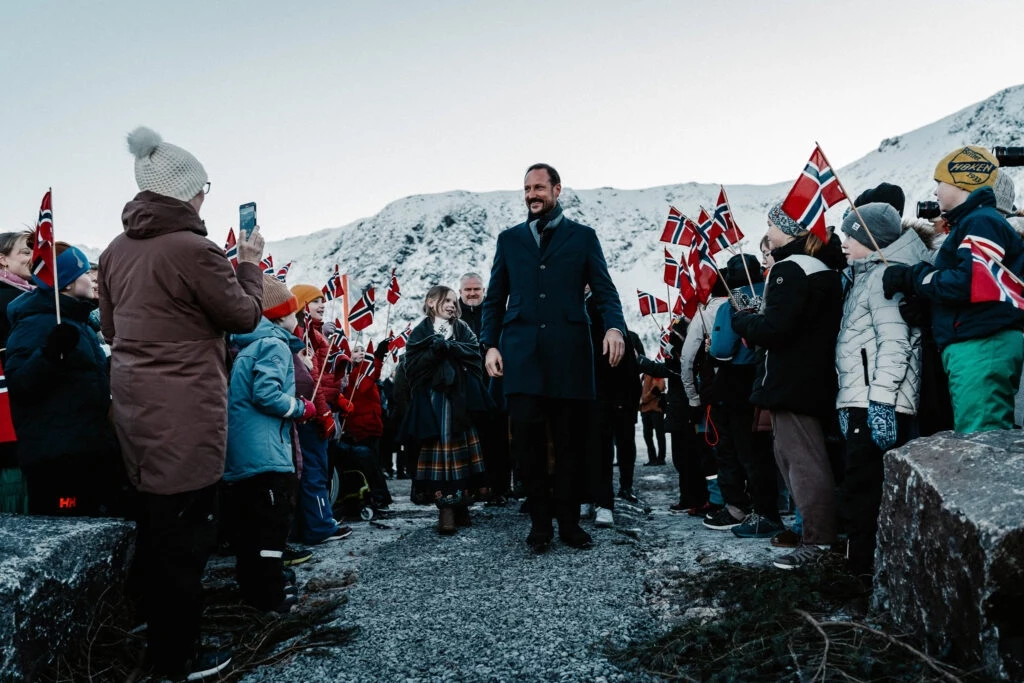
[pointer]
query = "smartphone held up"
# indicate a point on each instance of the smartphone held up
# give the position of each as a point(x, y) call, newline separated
point(247, 218)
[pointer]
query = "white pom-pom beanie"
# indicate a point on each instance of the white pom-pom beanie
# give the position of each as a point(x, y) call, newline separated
point(164, 168)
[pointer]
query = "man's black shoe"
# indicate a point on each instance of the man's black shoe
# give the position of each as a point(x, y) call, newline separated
point(628, 496)
point(539, 541)
point(576, 538)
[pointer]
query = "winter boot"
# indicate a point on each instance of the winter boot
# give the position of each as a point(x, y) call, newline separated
point(462, 516)
point(446, 521)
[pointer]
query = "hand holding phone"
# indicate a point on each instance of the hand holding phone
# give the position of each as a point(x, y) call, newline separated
point(247, 218)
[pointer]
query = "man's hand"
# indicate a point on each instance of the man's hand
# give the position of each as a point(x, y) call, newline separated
point(493, 362)
point(614, 346)
point(250, 248)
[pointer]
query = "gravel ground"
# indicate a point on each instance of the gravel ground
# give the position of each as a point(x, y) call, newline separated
point(479, 606)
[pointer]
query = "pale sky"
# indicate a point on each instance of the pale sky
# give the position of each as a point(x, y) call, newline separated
point(323, 112)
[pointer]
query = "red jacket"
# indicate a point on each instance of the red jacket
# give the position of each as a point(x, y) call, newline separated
point(330, 385)
point(365, 420)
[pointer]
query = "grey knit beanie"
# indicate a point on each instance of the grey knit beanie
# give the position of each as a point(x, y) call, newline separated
point(783, 222)
point(164, 168)
point(883, 221)
point(1005, 194)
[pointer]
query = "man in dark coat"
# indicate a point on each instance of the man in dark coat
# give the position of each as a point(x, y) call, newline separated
point(536, 331)
point(491, 427)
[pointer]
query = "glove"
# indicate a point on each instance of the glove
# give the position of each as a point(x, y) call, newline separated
point(325, 425)
point(844, 421)
point(915, 311)
point(344, 405)
point(897, 278)
point(329, 328)
point(746, 302)
point(882, 420)
point(308, 411)
point(697, 415)
point(381, 350)
point(61, 341)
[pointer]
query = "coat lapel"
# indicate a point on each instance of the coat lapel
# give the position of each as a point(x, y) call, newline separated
point(526, 237)
point(562, 234)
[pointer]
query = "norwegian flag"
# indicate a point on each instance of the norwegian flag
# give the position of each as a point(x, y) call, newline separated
point(650, 304)
point(336, 357)
point(340, 342)
point(705, 272)
point(671, 269)
point(6, 422)
point(724, 219)
point(990, 281)
point(394, 294)
point(361, 315)
point(333, 289)
point(231, 248)
point(367, 365)
point(43, 267)
point(267, 264)
point(282, 272)
point(678, 229)
point(813, 193)
point(400, 341)
point(686, 302)
point(665, 344)
point(711, 232)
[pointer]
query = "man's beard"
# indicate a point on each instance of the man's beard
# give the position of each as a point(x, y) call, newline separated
point(545, 207)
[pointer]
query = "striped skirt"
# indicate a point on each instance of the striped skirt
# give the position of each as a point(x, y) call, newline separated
point(450, 470)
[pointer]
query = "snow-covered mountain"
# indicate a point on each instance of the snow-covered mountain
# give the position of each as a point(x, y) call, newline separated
point(432, 239)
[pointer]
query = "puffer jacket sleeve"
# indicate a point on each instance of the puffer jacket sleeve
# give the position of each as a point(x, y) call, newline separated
point(784, 301)
point(691, 347)
point(893, 348)
point(270, 368)
point(232, 300)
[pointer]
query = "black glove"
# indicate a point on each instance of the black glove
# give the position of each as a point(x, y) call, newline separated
point(697, 415)
point(915, 310)
point(381, 350)
point(897, 278)
point(61, 341)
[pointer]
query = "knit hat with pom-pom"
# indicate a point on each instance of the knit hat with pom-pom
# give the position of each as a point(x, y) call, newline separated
point(164, 168)
point(277, 300)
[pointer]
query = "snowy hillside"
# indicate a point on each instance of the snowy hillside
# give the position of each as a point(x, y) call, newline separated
point(432, 239)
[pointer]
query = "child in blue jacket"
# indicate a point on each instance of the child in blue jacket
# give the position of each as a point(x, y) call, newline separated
point(259, 473)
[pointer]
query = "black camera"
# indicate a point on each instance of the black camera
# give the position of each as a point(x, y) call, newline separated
point(1009, 156)
point(928, 210)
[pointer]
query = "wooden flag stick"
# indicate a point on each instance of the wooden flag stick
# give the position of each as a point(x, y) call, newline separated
point(330, 346)
point(854, 206)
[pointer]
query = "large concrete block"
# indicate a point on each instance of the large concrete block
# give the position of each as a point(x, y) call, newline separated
point(52, 574)
point(950, 558)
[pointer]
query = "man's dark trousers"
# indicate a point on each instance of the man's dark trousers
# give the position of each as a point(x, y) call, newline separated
point(553, 487)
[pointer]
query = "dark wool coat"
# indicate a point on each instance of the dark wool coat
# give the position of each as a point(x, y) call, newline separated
point(167, 296)
point(59, 406)
point(534, 312)
point(797, 330)
point(450, 366)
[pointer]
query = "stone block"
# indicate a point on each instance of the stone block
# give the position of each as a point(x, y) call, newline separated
point(950, 557)
point(53, 572)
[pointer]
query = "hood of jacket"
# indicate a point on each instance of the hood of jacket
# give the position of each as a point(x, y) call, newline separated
point(265, 330)
point(151, 215)
point(908, 250)
point(40, 302)
point(831, 253)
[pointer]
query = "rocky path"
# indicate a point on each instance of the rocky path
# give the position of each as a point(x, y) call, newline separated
point(479, 606)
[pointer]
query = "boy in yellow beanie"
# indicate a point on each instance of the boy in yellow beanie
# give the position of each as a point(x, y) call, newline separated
point(976, 326)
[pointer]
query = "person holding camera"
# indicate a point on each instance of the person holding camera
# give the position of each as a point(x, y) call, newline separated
point(976, 327)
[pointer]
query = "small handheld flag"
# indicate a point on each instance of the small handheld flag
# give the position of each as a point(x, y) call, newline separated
point(650, 304)
point(990, 280)
point(43, 258)
point(333, 289)
point(394, 294)
point(812, 194)
point(231, 248)
point(282, 273)
point(671, 269)
point(361, 315)
point(267, 264)
point(679, 229)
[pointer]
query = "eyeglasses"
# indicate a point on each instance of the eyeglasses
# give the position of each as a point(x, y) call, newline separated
point(206, 188)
